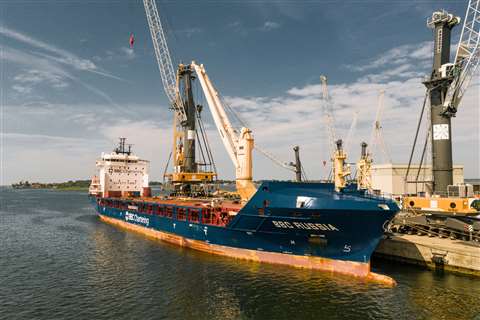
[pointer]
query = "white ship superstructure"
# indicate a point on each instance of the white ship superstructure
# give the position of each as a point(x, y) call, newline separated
point(122, 174)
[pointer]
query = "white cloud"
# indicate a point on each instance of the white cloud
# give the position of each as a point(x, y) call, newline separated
point(34, 77)
point(42, 67)
point(128, 53)
point(61, 56)
point(270, 25)
point(238, 27)
point(190, 32)
point(398, 55)
point(22, 89)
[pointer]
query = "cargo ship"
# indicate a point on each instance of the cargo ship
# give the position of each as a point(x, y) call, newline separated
point(301, 224)
point(325, 226)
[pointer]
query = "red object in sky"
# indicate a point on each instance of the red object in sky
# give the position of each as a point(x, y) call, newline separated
point(131, 40)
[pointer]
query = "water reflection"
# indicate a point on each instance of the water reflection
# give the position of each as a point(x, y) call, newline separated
point(71, 265)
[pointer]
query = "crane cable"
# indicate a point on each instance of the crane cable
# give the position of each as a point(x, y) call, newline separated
point(256, 146)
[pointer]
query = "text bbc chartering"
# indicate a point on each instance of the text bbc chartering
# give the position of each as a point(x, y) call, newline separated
point(304, 225)
point(136, 218)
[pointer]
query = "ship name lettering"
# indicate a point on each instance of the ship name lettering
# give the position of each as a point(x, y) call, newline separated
point(282, 224)
point(304, 225)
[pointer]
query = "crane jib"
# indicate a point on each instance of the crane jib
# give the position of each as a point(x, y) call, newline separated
point(467, 58)
point(164, 61)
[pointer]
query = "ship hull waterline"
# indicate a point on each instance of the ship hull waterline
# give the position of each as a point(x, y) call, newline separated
point(358, 270)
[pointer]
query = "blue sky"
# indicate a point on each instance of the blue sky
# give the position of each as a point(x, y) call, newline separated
point(70, 84)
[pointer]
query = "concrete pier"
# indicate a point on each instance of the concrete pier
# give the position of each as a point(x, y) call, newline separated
point(435, 253)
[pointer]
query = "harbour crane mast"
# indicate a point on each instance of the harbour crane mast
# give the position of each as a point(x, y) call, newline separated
point(448, 83)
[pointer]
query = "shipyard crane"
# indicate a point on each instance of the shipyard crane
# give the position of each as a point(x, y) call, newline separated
point(351, 130)
point(328, 114)
point(376, 138)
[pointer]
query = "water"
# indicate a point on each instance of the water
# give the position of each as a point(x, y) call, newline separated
point(58, 261)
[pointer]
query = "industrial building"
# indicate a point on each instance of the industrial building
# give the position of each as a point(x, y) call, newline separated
point(390, 178)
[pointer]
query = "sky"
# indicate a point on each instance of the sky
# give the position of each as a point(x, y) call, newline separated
point(70, 85)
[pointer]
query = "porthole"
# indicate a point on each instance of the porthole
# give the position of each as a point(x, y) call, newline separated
point(412, 203)
point(453, 205)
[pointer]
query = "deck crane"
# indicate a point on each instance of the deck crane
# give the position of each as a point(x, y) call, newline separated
point(340, 169)
point(239, 145)
point(189, 176)
point(295, 167)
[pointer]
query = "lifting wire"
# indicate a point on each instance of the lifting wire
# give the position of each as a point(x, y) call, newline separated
point(273, 159)
point(166, 167)
point(422, 158)
point(257, 147)
point(304, 174)
point(204, 135)
point(415, 139)
point(206, 143)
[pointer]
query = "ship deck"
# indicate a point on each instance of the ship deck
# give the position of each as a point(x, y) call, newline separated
point(230, 205)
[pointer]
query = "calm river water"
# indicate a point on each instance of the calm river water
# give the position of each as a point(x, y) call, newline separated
point(58, 261)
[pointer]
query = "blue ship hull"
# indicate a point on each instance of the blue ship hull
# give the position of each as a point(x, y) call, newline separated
point(298, 220)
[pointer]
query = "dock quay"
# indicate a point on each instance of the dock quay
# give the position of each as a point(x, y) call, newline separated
point(435, 253)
